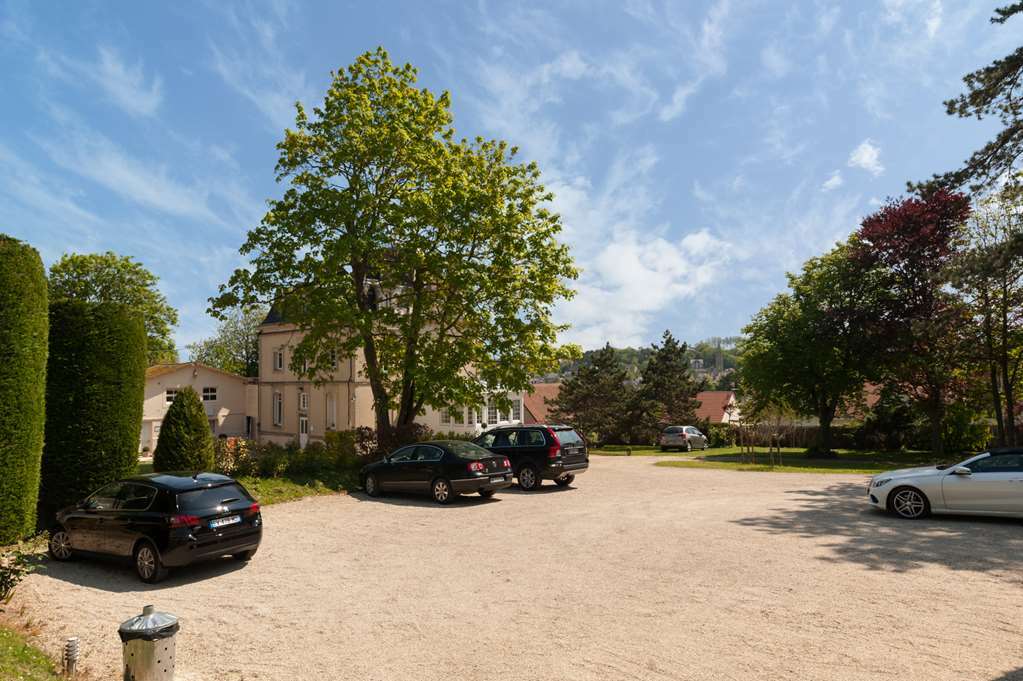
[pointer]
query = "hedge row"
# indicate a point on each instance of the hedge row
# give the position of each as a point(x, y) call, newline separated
point(23, 348)
point(94, 393)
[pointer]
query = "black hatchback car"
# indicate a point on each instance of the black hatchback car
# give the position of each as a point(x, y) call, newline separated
point(162, 520)
point(444, 468)
point(539, 452)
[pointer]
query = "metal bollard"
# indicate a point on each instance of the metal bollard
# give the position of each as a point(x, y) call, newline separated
point(148, 645)
point(71, 657)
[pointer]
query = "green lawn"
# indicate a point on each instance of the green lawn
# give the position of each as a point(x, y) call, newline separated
point(796, 461)
point(24, 662)
point(269, 491)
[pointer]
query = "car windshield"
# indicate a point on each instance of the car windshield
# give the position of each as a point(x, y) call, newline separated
point(467, 450)
point(211, 497)
point(568, 437)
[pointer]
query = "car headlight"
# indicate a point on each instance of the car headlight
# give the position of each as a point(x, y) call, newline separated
point(881, 482)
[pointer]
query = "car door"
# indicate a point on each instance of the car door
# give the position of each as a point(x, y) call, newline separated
point(698, 438)
point(85, 524)
point(392, 475)
point(128, 520)
point(424, 467)
point(995, 485)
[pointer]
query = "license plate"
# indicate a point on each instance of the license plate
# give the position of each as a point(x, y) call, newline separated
point(497, 478)
point(221, 522)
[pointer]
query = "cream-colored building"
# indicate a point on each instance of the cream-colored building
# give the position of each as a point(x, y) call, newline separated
point(229, 399)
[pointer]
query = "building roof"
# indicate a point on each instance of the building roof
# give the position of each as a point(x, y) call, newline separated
point(535, 402)
point(713, 404)
point(161, 369)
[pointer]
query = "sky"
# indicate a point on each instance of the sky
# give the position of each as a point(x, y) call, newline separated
point(697, 151)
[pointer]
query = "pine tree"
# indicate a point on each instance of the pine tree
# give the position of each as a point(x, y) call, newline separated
point(667, 395)
point(185, 442)
point(595, 398)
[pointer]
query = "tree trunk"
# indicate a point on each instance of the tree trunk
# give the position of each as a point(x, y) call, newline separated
point(823, 447)
point(1010, 398)
point(989, 346)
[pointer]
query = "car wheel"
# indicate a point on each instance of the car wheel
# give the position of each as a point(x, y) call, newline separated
point(529, 479)
point(689, 446)
point(60, 544)
point(372, 485)
point(909, 503)
point(486, 493)
point(564, 480)
point(148, 565)
point(244, 556)
point(442, 492)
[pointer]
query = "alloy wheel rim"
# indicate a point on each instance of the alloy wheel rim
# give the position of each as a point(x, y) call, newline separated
point(440, 490)
point(908, 503)
point(60, 544)
point(146, 563)
point(371, 484)
point(528, 479)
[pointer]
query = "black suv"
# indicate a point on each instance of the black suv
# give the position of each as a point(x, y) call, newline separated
point(539, 452)
point(162, 520)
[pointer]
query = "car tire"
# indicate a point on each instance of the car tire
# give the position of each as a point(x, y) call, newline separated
point(244, 556)
point(59, 546)
point(487, 493)
point(148, 565)
point(372, 485)
point(688, 447)
point(564, 481)
point(909, 503)
point(442, 491)
point(529, 478)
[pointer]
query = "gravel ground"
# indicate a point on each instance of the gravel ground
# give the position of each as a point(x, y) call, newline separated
point(636, 572)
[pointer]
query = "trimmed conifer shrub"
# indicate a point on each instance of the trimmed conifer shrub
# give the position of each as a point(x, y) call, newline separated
point(94, 393)
point(185, 443)
point(23, 339)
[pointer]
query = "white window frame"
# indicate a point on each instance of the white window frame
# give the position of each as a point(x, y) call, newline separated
point(209, 394)
point(303, 425)
point(457, 415)
point(492, 415)
point(169, 395)
point(331, 409)
point(278, 409)
point(303, 401)
point(516, 410)
point(445, 416)
point(279, 359)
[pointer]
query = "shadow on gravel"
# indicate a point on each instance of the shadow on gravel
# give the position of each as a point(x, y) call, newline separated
point(410, 499)
point(1015, 675)
point(864, 535)
point(544, 489)
point(117, 575)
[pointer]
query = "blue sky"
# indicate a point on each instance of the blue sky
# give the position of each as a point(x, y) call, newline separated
point(697, 151)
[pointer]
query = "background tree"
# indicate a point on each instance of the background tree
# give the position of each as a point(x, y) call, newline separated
point(667, 391)
point(94, 391)
point(111, 278)
point(23, 348)
point(235, 346)
point(185, 443)
point(596, 397)
point(806, 351)
point(991, 91)
point(436, 259)
point(988, 272)
point(909, 244)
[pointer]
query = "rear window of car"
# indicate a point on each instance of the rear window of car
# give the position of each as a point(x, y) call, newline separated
point(672, 430)
point(568, 437)
point(468, 450)
point(211, 497)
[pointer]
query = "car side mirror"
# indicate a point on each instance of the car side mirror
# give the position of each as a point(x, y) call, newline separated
point(961, 470)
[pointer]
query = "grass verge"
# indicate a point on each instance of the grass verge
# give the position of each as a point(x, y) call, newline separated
point(22, 661)
point(795, 461)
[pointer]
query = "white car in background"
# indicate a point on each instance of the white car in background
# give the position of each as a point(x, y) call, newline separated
point(987, 484)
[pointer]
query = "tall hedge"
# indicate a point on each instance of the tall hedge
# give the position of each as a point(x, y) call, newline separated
point(185, 443)
point(23, 339)
point(94, 393)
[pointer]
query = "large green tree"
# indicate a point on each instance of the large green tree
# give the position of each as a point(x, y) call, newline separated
point(235, 346)
point(23, 350)
point(437, 259)
point(995, 90)
point(807, 351)
point(185, 443)
point(596, 397)
point(667, 391)
point(111, 278)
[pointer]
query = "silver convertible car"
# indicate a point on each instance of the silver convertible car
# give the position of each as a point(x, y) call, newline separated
point(987, 484)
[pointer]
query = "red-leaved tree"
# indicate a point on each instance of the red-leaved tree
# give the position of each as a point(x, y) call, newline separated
point(918, 327)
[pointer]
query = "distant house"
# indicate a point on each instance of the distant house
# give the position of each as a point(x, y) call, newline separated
point(229, 399)
point(717, 406)
point(536, 409)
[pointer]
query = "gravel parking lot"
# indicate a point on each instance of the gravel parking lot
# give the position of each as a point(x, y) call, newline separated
point(636, 572)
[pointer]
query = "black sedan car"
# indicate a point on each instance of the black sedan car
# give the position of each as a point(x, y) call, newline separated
point(444, 468)
point(162, 520)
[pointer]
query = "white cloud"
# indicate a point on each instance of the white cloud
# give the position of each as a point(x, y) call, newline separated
point(679, 98)
point(126, 85)
point(833, 182)
point(775, 61)
point(868, 157)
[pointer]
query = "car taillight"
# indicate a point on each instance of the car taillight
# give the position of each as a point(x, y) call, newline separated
point(183, 520)
point(554, 451)
point(253, 509)
point(476, 467)
point(506, 463)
